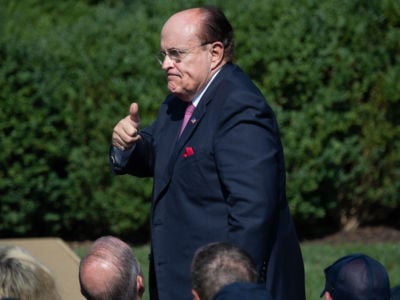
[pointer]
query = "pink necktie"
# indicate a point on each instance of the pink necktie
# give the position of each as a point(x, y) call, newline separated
point(188, 113)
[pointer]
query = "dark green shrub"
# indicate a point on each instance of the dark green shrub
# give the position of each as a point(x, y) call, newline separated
point(330, 70)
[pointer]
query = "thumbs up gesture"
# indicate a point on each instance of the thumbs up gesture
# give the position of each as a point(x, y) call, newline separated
point(126, 132)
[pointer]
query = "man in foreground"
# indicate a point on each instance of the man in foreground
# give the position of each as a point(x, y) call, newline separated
point(216, 158)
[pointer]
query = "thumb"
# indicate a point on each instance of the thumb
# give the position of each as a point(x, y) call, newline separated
point(134, 112)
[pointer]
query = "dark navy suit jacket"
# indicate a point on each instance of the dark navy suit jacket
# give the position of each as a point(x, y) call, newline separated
point(222, 180)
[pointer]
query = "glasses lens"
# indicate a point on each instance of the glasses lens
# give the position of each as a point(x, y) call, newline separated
point(161, 56)
point(175, 55)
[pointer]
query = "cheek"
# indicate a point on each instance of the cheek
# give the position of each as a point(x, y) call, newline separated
point(188, 77)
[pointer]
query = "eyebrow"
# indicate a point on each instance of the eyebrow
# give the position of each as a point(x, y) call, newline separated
point(176, 49)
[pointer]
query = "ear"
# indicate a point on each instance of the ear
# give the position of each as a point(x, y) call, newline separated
point(328, 296)
point(195, 295)
point(217, 54)
point(140, 285)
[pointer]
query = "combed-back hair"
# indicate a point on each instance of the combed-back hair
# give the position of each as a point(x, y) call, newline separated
point(216, 27)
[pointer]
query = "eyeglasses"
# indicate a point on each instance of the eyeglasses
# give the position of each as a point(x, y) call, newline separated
point(176, 55)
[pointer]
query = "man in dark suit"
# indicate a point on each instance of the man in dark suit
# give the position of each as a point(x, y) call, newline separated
point(222, 178)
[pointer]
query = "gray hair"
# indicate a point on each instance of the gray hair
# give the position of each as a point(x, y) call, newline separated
point(120, 283)
point(22, 276)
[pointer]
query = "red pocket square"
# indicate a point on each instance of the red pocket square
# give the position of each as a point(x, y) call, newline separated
point(188, 152)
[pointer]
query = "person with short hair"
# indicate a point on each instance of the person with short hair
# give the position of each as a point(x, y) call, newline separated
point(217, 162)
point(356, 277)
point(24, 277)
point(223, 271)
point(110, 270)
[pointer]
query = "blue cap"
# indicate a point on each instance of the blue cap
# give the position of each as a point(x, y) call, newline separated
point(357, 277)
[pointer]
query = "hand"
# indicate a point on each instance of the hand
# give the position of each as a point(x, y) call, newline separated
point(126, 132)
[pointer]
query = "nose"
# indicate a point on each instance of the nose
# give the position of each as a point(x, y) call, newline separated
point(166, 63)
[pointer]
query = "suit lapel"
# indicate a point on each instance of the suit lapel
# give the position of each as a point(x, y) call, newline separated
point(191, 126)
point(169, 121)
point(170, 145)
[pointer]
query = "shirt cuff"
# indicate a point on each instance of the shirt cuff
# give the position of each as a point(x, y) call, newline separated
point(121, 157)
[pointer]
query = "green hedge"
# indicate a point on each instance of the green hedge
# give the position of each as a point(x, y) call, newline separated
point(68, 71)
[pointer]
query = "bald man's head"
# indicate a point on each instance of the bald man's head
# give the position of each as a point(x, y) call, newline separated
point(110, 271)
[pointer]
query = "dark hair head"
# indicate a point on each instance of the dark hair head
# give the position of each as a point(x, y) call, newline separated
point(217, 264)
point(216, 27)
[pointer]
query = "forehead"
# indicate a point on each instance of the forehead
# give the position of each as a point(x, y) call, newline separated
point(181, 30)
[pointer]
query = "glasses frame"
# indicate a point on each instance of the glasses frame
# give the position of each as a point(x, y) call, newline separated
point(176, 54)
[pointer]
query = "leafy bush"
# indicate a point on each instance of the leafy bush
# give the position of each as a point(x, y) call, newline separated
point(330, 69)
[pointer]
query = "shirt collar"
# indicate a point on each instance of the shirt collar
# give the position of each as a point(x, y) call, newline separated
point(197, 98)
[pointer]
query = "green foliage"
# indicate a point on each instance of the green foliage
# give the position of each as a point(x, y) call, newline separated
point(64, 87)
point(69, 70)
point(331, 70)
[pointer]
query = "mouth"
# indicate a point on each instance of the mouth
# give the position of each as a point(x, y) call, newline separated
point(172, 75)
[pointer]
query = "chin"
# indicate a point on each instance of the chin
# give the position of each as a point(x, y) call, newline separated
point(172, 88)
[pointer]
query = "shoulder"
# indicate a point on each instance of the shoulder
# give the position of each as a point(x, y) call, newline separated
point(233, 81)
point(234, 90)
point(243, 290)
